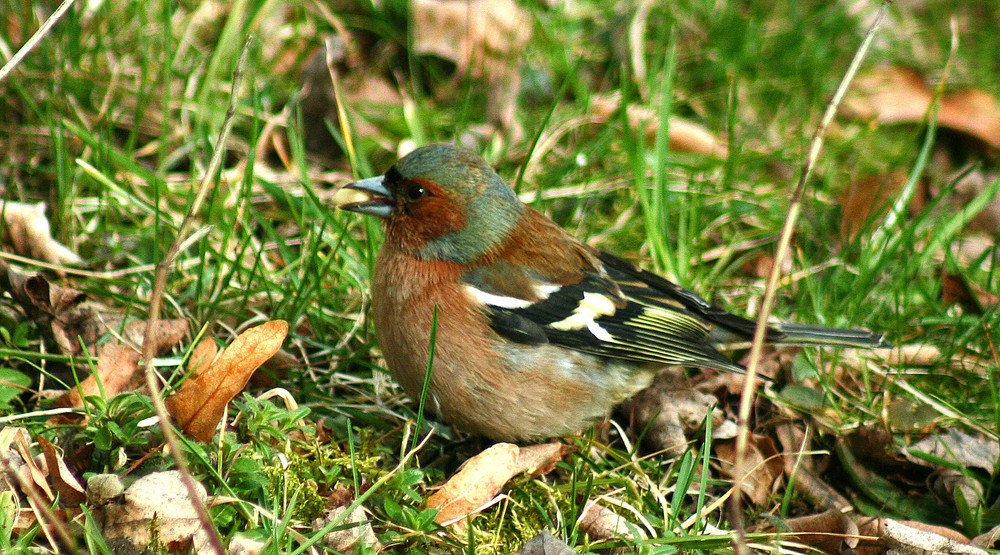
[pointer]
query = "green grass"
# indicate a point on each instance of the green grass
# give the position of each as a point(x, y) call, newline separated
point(112, 119)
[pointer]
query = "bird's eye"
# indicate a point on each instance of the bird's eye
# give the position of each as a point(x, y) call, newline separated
point(415, 192)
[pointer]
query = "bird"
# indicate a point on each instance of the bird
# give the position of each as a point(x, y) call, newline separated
point(527, 332)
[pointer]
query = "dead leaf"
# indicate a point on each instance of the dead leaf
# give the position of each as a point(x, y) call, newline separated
point(242, 545)
point(913, 537)
point(484, 38)
point(66, 312)
point(893, 94)
point(118, 361)
point(27, 230)
point(601, 523)
point(202, 356)
point(831, 531)
point(70, 491)
point(75, 322)
point(956, 288)
point(867, 199)
point(115, 365)
point(359, 537)
point(199, 405)
point(989, 540)
point(966, 449)
point(544, 543)
point(157, 502)
point(761, 469)
point(17, 440)
point(482, 477)
point(684, 135)
point(974, 112)
point(667, 411)
point(802, 470)
point(541, 458)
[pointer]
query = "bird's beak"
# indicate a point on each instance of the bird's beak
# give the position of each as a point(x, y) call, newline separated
point(374, 198)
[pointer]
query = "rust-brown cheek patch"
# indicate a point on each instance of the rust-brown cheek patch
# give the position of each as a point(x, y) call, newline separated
point(427, 218)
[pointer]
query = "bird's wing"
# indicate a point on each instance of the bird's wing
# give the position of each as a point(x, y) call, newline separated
point(597, 314)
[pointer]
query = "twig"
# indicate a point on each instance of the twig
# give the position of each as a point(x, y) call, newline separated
point(184, 233)
point(770, 292)
point(35, 39)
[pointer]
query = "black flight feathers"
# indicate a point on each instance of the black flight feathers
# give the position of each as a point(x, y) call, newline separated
point(632, 314)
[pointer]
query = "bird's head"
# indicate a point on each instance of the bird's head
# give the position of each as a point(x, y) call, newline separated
point(441, 202)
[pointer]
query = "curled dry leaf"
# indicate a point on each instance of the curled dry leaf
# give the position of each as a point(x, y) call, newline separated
point(867, 199)
point(954, 445)
point(802, 470)
point(483, 37)
point(893, 94)
point(666, 412)
point(761, 469)
point(159, 502)
point(64, 311)
point(957, 288)
point(899, 536)
point(684, 135)
point(117, 361)
point(70, 491)
point(988, 540)
point(27, 230)
point(482, 477)
point(15, 447)
point(199, 405)
point(359, 536)
point(831, 531)
point(601, 523)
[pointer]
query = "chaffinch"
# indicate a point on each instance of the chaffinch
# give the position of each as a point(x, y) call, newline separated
point(537, 333)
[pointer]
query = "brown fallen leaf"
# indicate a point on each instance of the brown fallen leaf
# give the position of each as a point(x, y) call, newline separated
point(64, 311)
point(831, 531)
point(905, 536)
point(15, 445)
point(965, 449)
point(71, 493)
point(118, 361)
point(482, 477)
point(199, 405)
point(956, 288)
point(358, 536)
point(988, 540)
point(158, 503)
point(802, 472)
point(601, 523)
point(27, 230)
point(75, 321)
point(667, 411)
point(202, 356)
point(684, 135)
point(761, 469)
point(484, 38)
point(480, 36)
point(894, 94)
point(867, 199)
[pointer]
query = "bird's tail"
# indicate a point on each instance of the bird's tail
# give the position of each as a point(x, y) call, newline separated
point(803, 334)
